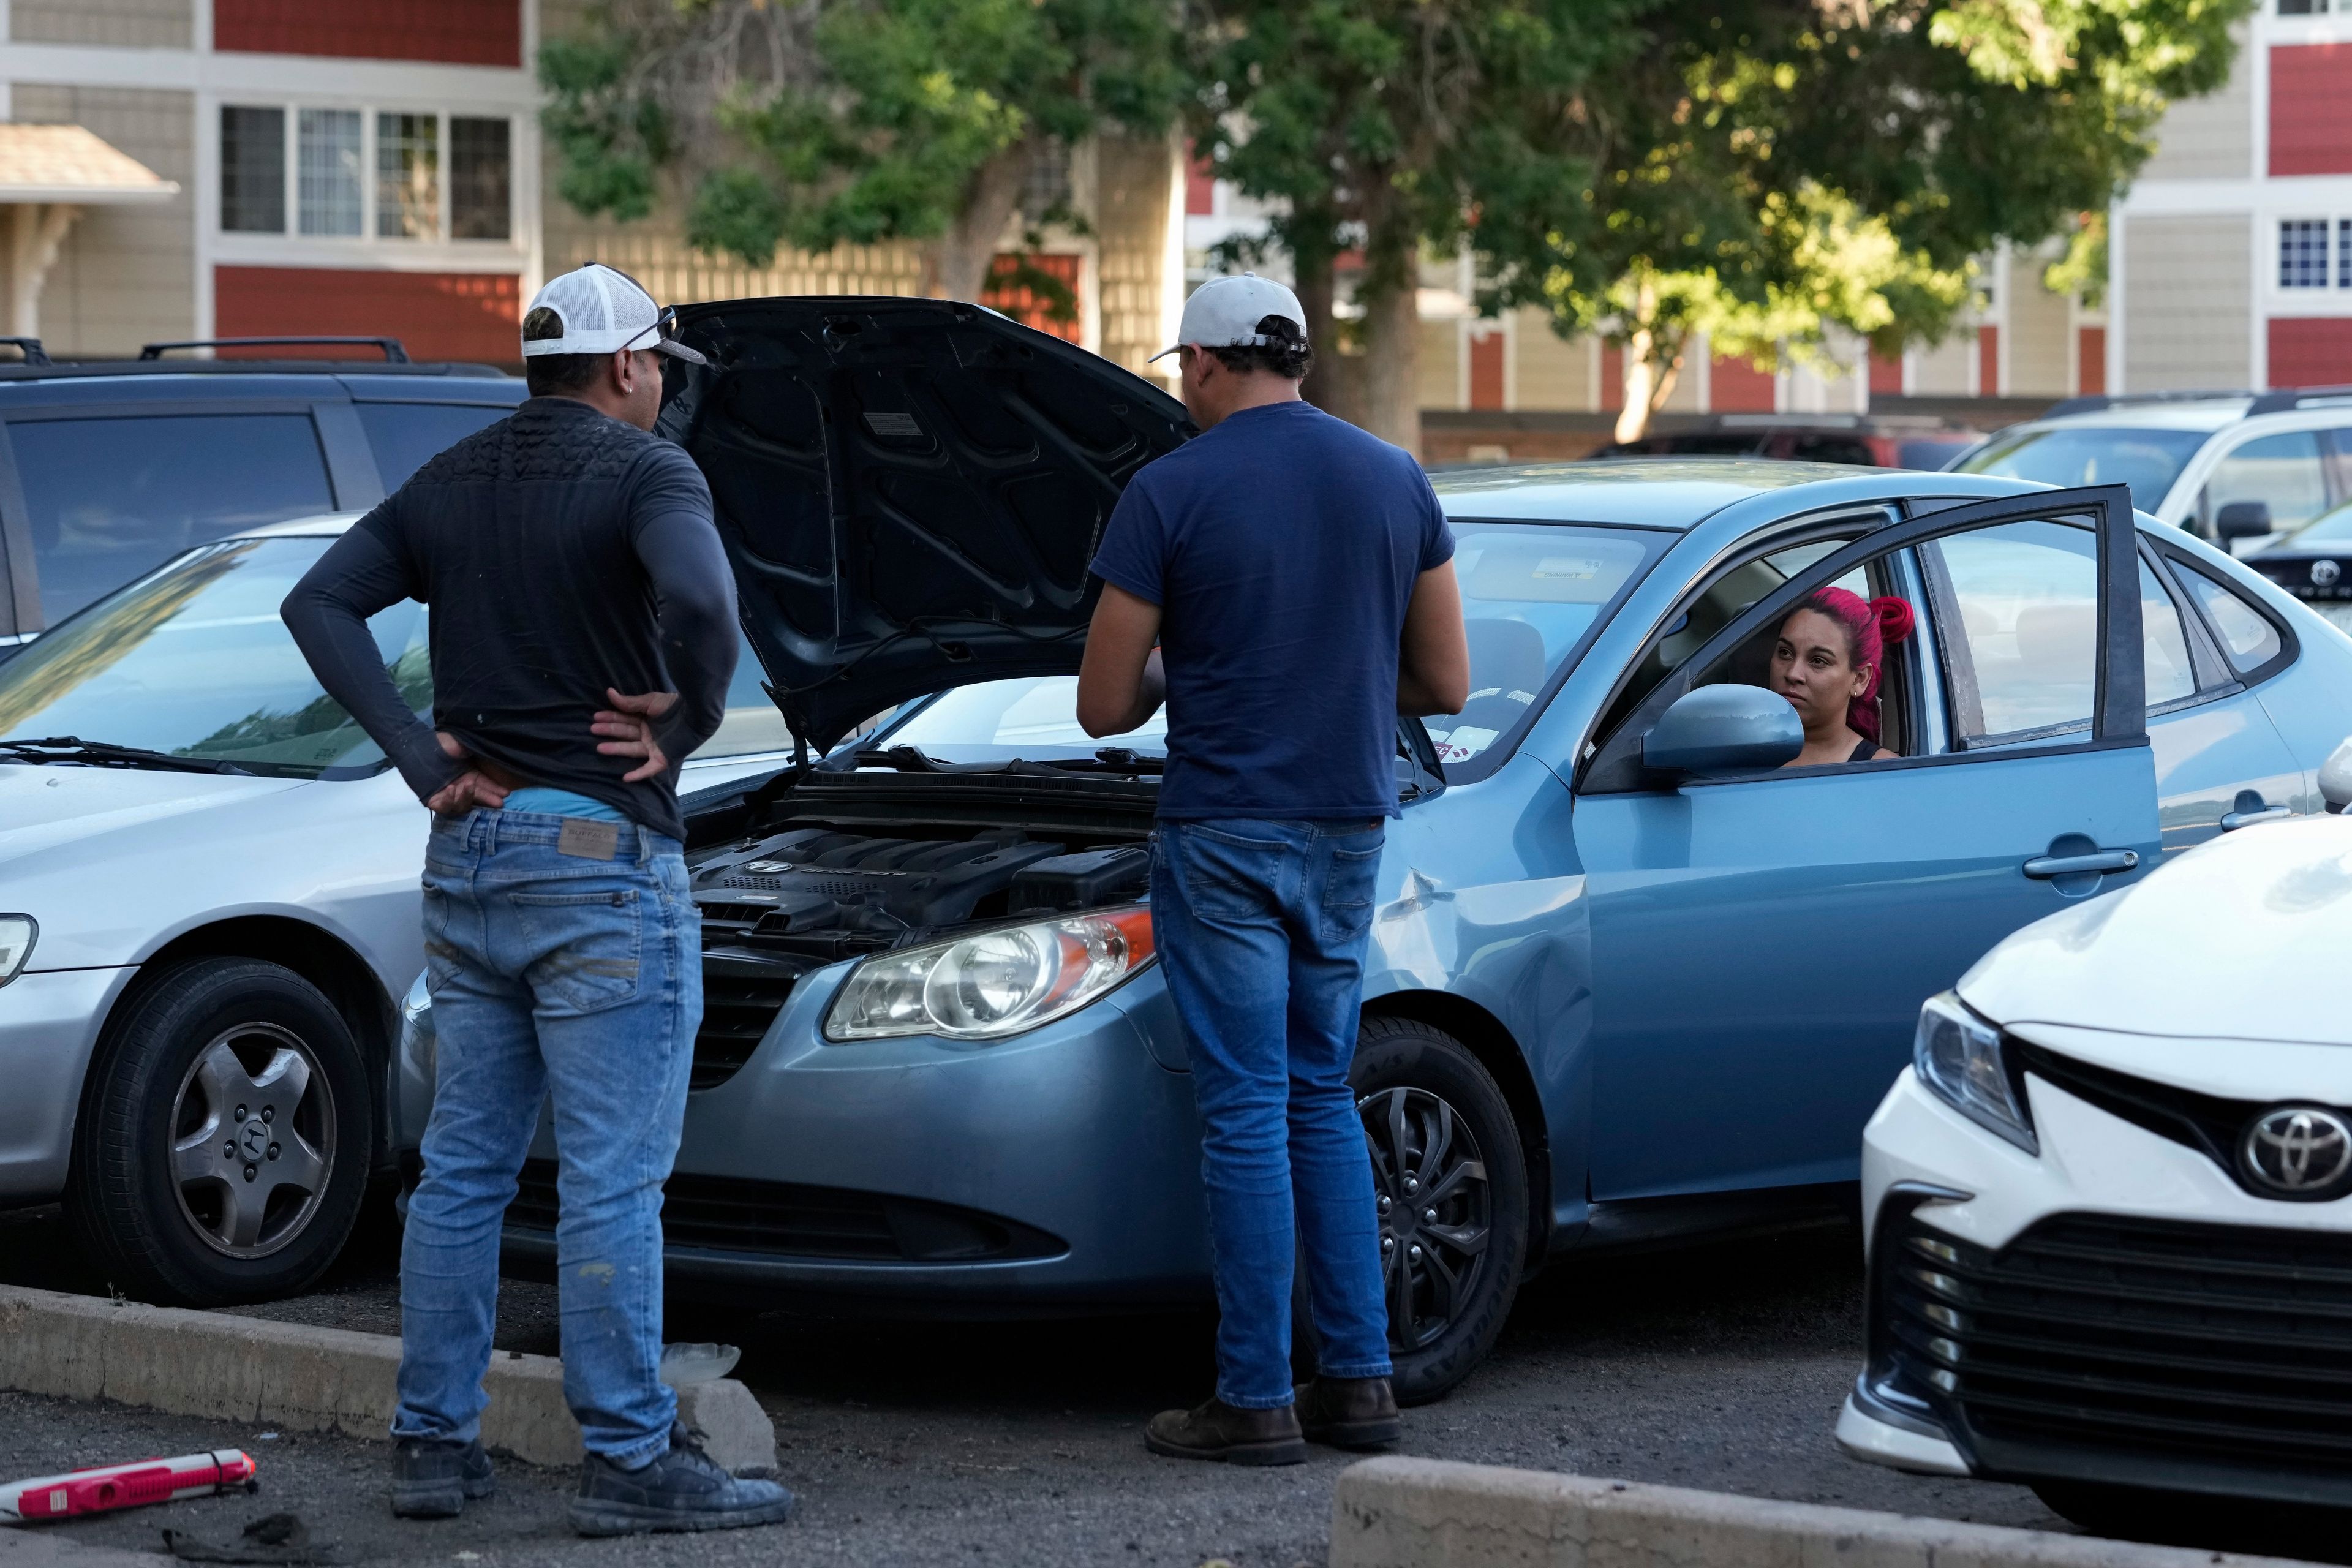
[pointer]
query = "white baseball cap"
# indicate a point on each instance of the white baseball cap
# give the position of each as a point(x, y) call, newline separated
point(604, 309)
point(1224, 312)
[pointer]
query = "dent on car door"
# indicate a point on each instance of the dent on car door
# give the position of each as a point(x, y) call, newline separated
point(1762, 943)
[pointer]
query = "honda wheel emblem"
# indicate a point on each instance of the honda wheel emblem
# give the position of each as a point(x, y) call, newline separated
point(2297, 1152)
point(2325, 573)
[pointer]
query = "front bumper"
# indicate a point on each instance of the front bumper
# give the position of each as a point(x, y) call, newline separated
point(49, 1020)
point(2115, 1310)
point(1056, 1171)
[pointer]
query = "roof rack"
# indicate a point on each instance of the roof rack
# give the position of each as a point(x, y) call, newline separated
point(31, 349)
point(2098, 401)
point(393, 352)
point(2285, 400)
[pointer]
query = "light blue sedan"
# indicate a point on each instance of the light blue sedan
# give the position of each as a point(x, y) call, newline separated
point(1630, 979)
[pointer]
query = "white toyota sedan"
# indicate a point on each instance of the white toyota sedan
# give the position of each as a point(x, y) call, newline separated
point(209, 907)
point(2109, 1230)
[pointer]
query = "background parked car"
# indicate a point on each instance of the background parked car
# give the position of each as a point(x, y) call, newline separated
point(2234, 468)
point(2109, 1230)
point(1880, 441)
point(2315, 564)
point(109, 467)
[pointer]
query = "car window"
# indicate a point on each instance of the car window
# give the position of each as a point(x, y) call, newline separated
point(404, 435)
point(752, 723)
point(2328, 527)
point(1832, 450)
point(2282, 471)
point(2164, 641)
point(2145, 460)
point(1931, 455)
point(2025, 652)
point(194, 660)
point(2247, 634)
point(110, 500)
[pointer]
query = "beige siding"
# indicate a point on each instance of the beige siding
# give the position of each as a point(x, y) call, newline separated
point(2040, 352)
point(2188, 303)
point(1134, 189)
point(1943, 370)
point(1443, 382)
point(2210, 138)
point(125, 275)
point(121, 24)
point(1553, 372)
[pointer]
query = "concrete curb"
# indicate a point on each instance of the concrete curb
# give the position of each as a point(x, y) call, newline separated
point(1428, 1513)
point(295, 1377)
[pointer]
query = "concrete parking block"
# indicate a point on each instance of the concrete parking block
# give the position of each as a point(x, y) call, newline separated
point(1429, 1514)
point(25, 1546)
point(292, 1376)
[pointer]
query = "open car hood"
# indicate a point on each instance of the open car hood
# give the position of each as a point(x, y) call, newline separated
point(910, 490)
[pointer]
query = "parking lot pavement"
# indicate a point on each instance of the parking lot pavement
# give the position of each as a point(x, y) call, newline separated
point(1719, 1366)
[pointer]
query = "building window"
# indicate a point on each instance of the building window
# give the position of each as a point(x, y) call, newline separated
point(407, 176)
point(2303, 254)
point(330, 201)
point(2302, 7)
point(253, 170)
point(480, 165)
point(2343, 253)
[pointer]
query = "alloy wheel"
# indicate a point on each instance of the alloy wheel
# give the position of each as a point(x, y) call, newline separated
point(1429, 1180)
point(253, 1140)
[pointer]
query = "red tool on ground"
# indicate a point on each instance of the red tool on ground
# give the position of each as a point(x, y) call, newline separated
point(125, 1485)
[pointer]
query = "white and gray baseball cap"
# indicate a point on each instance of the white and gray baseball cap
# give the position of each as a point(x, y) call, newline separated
point(604, 309)
point(1224, 312)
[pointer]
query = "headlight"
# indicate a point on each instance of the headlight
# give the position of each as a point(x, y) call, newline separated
point(16, 934)
point(992, 984)
point(1958, 1055)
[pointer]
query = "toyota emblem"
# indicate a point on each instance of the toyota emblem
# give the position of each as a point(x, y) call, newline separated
point(2325, 573)
point(2297, 1152)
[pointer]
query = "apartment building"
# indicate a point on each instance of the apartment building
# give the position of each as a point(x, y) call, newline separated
point(2231, 259)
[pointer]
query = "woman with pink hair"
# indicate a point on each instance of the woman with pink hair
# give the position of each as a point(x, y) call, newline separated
point(1832, 650)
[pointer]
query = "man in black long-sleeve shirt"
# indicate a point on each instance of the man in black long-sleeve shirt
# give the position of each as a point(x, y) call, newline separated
point(582, 637)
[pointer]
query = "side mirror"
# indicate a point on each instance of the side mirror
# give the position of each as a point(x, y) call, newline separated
point(1724, 729)
point(2335, 778)
point(2242, 519)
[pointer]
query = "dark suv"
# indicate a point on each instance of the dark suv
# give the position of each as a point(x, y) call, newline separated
point(109, 467)
point(1879, 441)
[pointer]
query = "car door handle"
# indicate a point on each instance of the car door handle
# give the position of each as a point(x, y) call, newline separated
point(2078, 865)
point(2232, 821)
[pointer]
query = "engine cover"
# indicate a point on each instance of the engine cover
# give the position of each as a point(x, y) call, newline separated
point(816, 878)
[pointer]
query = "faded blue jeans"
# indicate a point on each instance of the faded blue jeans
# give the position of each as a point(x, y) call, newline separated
point(576, 979)
point(1261, 926)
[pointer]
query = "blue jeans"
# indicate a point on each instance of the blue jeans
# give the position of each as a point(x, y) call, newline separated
point(1260, 927)
point(578, 979)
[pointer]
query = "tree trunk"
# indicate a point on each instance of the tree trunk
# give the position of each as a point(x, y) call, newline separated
point(956, 264)
point(1653, 362)
point(1392, 373)
point(1330, 385)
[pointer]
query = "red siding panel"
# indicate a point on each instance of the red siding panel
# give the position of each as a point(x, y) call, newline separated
point(437, 315)
point(2311, 108)
point(1200, 184)
point(455, 32)
point(1735, 386)
point(2311, 352)
point(1486, 369)
point(1886, 373)
point(2091, 360)
point(1988, 362)
point(1024, 305)
point(1612, 376)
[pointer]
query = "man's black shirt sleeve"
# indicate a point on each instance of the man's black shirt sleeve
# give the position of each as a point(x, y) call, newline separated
point(677, 543)
point(327, 612)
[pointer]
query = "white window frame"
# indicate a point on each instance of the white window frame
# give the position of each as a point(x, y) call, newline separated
point(230, 245)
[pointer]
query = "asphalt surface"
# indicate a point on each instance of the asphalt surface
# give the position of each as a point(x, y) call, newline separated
point(1720, 1367)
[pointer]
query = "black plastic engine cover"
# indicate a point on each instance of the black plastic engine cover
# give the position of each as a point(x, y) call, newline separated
point(814, 877)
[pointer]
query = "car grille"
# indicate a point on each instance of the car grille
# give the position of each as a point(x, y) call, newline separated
point(789, 1219)
point(739, 1002)
point(2217, 1349)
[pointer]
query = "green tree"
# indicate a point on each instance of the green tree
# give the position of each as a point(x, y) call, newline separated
point(827, 122)
point(1389, 126)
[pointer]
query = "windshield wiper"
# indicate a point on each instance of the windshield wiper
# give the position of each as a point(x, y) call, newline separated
point(106, 755)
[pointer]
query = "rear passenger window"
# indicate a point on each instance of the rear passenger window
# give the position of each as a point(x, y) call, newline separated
point(404, 436)
point(2025, 653)
point(2247, 634)
point(2163, 642)
point(110, 499)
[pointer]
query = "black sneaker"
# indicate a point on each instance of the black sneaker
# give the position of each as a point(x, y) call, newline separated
point(683, 1490)
point(432, 1477)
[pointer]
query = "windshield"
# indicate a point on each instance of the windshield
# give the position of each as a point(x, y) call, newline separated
point(1530, 595)
point(2147, 461)
point(2328, 527)
point(193, 660)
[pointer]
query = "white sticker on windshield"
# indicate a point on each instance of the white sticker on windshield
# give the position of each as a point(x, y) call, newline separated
point(1578, 568)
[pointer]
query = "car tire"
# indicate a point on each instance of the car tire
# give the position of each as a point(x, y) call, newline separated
point(222, 1153)
point(1416, 1087)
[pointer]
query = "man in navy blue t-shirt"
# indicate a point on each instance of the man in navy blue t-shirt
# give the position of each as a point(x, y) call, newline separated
point(1299, 578)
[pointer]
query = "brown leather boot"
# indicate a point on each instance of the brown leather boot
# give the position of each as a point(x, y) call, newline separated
point(1349, 1412)
point(1218, 1431)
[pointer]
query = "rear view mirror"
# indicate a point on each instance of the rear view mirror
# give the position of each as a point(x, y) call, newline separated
point(2335, 778)
point(2242, 519)
point(1724, 729)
